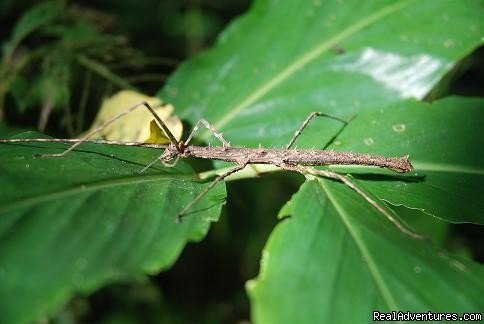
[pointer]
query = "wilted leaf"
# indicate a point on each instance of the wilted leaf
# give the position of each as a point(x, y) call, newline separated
point(136, 126)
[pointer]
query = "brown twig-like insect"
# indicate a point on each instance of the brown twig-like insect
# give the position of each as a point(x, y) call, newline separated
point(297, 160)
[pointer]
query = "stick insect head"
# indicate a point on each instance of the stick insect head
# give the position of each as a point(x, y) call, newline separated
point(170, 153)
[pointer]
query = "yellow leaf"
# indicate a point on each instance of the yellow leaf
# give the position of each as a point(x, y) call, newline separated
point(138, 125)
point(157, 136)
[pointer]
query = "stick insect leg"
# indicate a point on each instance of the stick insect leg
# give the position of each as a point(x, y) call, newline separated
point(346, 181)
point(168, 165)
point(207, 125)
point(306, 122)
point(113, 119)
point(203, 122)
point(239, 167)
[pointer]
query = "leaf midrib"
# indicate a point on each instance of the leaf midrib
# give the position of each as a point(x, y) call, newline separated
point(359, 241)
point(83, 188)
point(302, 61)
point(447, 167)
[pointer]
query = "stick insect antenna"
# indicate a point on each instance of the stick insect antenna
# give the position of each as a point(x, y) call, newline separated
point(111, 120)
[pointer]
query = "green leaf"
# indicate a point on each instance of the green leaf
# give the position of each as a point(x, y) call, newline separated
point(333, 251)
point(278, 63)
point(73, 224)
point(443, 141)
point(268, 70)
point(309, 261)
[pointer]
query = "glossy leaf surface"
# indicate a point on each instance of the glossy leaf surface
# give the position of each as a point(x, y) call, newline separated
point(283, 60)
point(267, 72)
point(442, 140)
point(334, 259)
point(75, 223)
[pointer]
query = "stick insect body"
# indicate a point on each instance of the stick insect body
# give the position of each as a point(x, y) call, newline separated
point(297, 160)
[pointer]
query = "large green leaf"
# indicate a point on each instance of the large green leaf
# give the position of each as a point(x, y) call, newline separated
point(315, 257)
point(286, 68)
point(276, 64)
point(75, 223)
point(335, 259)
point(443, 140)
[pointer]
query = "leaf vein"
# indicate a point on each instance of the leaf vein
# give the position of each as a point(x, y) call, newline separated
point(304, 60)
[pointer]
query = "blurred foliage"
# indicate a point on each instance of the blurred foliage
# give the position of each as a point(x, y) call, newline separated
point(61, 58)
point(50, 47)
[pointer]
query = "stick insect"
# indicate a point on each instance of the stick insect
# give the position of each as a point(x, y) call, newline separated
point(297, 160)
